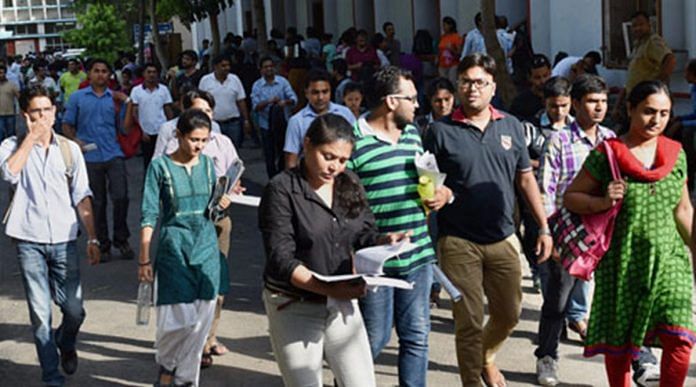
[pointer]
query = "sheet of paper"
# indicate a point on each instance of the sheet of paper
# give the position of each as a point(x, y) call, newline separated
point(370, 260)
point(246, 200)
point(386, 281)
point(369, 280)
point(426, 165)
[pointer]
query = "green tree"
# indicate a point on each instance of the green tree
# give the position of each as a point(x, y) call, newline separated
point(101, 31)
point(195, 11)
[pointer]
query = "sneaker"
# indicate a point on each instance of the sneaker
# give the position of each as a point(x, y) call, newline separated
point(547, 371)
point(126, 251)
point(647, 375)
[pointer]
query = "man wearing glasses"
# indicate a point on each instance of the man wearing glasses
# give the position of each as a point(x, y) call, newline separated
point(383, 158)
point(484, 155)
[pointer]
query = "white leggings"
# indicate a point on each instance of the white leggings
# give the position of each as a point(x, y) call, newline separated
point(181, 333)
point(303, 333)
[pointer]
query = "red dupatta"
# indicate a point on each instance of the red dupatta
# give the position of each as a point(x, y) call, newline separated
point(666, 156)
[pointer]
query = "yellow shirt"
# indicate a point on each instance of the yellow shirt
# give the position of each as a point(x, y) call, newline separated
point(69, 83)
point(646, 60)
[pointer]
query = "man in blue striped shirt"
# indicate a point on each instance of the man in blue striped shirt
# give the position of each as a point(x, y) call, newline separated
point(383, 158)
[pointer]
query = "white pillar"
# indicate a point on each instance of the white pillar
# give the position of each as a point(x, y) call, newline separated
point(690, 27)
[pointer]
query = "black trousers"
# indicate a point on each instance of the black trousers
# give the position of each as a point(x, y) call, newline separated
point(111, 177)
point(148, 149)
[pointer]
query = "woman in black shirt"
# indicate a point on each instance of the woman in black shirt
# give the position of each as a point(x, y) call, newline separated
point(312, 218)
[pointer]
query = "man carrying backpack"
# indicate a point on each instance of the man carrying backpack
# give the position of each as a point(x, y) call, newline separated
point(49, 178)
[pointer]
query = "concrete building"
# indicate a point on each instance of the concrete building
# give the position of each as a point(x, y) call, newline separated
point(34, 25)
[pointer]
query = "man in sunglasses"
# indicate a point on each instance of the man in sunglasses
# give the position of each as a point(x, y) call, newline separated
point(484, 154)
point(528, 103)
point(383, 158)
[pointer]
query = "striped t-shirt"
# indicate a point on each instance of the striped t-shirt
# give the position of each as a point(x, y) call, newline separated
point(388, 173)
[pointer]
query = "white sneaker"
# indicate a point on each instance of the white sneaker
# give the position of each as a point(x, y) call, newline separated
point(547, 371)
point(648, 375)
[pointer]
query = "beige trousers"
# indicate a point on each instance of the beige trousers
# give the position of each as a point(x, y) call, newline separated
point(477, 269)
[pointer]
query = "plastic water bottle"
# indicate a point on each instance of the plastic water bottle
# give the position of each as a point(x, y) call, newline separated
point(426, 190)
point(449, 287)
point(144, 303)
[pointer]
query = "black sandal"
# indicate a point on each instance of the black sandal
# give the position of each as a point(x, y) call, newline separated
point(164, 371)
point(206, 360)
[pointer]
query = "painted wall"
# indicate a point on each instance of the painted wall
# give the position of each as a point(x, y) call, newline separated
point(426, 18)
point(399, 12)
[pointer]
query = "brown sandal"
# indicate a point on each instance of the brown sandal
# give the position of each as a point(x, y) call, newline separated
point(206, 360)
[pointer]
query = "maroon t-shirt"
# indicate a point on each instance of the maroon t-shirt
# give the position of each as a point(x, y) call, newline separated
point(369, 56)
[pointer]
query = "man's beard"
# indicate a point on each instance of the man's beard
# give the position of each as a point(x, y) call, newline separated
point(401, 121)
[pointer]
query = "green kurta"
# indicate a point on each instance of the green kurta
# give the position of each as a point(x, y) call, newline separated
point(188, 261)
point(643, 285)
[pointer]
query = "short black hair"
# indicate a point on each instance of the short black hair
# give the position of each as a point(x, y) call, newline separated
point(539, 61)
point(221, 58)
point(450, 20)
point(595, 56)
point(191, 54)
point(3, 67)
point(190, 95)
point(73, 60)
point(192, 119)
point(362, 32)
point(386, 82)
point(340, 66)
point(557, 87)
point(385, 25)
point(32, 92)
point(95, 61)
point(588, 84)
point(691, 67)
point(265, 58)
point(639, 14)
point(351, 87)
point(477, 60)
point(377, 39)
point(478, 19)
point(317, 75)
point(152, 64)
point(439, 84)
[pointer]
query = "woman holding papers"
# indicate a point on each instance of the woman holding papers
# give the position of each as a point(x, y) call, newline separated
point(312, 218)
point(178, 186)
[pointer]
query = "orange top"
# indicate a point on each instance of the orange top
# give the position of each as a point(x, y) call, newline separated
point(448, 48)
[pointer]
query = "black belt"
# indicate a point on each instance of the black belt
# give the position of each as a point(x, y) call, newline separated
point(233, 119)
point(318, 299)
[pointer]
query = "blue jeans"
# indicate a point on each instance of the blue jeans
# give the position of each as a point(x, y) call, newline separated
point(52, 272)
point(577, 308)
point(409, 311)
point(233, 130)
point(7, 126)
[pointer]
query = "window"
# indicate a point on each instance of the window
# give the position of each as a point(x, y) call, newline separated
point(616, 36)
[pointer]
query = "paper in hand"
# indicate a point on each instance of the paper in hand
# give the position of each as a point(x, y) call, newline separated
point(370, 260)
point(426, 165)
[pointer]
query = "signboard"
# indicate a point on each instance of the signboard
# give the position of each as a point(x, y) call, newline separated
point(163, 28)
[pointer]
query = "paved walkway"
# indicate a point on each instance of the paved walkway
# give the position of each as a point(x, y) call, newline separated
point(115, 352)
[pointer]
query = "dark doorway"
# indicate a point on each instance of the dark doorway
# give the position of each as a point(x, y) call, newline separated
point(318, 15)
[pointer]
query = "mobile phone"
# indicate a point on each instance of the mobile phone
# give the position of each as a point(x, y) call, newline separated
point(89, 147)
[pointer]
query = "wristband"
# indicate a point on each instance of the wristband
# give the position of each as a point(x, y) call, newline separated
point(144, 263)
point(545, 231)
point(451, 199)
point(94, 242)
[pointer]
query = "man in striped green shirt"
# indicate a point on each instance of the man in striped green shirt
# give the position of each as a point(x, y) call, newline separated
point(383, 158)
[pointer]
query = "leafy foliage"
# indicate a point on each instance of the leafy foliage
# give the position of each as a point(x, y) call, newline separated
point(101, 31)
point(191, 11)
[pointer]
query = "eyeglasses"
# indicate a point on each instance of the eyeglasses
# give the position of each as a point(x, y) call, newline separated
point(467, 84)
point(411, 98)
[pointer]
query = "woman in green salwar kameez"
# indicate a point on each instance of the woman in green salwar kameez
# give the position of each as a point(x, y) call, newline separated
point(643, 285)
point(177, 189)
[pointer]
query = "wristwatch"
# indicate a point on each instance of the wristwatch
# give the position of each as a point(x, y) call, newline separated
point(94, 242)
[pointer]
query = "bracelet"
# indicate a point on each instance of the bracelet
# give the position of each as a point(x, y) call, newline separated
point(544, 231)
point(94, 242)
point(144, 263)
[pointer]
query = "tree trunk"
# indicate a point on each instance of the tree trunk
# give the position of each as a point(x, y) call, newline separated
point(161, 55)
point(505, 87)
point(260, 16)
point(215, 32)
point(141, 38)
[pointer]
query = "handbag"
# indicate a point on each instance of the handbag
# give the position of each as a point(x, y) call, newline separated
point(582, 240)
point(130, 141)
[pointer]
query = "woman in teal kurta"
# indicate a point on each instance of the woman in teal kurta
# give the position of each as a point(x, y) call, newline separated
point(644, 282)
point(178, 189)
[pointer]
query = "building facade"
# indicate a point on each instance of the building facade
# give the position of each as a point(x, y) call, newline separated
point(34, 25)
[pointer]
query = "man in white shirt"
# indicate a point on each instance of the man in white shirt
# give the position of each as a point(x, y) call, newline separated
point(230, 104)
point(151, 103)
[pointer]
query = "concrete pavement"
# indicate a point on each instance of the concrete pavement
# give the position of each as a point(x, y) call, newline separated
point(115, 352)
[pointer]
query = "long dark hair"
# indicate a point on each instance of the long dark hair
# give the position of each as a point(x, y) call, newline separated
point(192, 119)
point(327, 129)
point(644, 90)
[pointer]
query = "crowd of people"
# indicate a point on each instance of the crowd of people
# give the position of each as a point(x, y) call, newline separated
point(340, 126)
